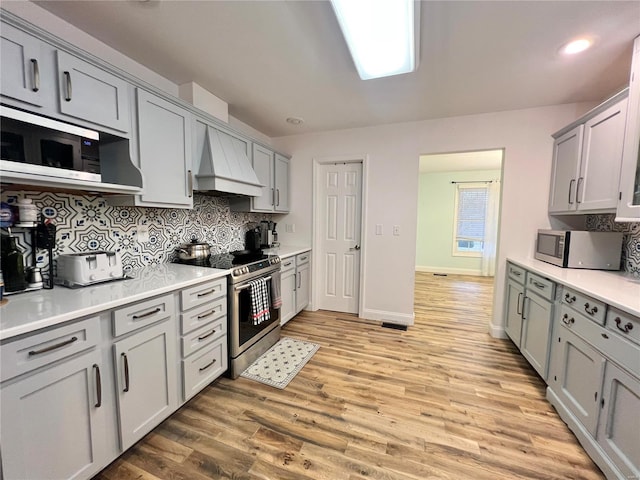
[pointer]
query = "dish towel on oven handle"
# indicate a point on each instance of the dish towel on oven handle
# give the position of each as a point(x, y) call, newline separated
point(259, 301)
point(276, 296)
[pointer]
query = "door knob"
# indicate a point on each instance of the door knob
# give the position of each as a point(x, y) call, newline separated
point(357, 247)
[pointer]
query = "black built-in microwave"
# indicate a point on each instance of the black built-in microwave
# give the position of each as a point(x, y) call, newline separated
point(42, 146)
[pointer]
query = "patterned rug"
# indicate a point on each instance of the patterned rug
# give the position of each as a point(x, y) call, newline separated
point(278, 365)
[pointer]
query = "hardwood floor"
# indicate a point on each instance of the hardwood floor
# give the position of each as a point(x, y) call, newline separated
point(443, 400)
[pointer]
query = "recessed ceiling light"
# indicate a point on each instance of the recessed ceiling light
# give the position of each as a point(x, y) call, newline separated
point(295, 120)
point(576, 46)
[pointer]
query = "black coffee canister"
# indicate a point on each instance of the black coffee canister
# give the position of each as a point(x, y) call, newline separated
point(12, 266)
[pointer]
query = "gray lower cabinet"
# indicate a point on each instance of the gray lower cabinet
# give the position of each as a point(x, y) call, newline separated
point(288, 282)
point(53, 422)
point(619, 426)
point(146, 380)
point(513, 310)
point(302, 286)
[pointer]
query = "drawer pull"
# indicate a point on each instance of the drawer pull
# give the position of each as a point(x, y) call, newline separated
point(538, 284)
point(516, 273)
point(626, 328)
point(205, 315)
point(568, 321)
point(518, 310)
point(591, 311)
point(126, 372)
point(569, 299)
point(53, 347)
point(287, 264)
point(208, 365)
point(36, 74)
point(209, 292)
point(67, 77)
point(98, 385)
point(148, 314)
point(207, 335)
point(604, 335)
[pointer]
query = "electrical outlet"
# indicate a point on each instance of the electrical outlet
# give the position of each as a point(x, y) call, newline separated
point(290, 228)
point(378, 229)
point(143, 233)
point(396, 230)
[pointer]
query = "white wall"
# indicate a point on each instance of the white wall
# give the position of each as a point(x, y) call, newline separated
point(393, 152)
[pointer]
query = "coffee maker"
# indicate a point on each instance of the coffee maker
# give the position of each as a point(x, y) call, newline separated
point(268, 234)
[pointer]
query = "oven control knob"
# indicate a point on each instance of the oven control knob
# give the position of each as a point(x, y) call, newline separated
point(237, 271)
point(246, 269)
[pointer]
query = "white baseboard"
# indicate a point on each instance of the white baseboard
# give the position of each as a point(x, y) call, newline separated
point(391, 317)
point(497, 332)
point(452, 271)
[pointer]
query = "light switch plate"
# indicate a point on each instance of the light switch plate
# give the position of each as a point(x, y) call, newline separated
point(143, 233)
point(396, 230)
point(378, 229)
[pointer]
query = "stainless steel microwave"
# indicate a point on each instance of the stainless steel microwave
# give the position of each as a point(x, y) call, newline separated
point(32, 144)
point(580, 249)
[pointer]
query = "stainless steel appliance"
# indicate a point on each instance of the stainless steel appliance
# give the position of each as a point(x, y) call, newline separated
point(37, 145)
point(580, 249)
point(246, 340)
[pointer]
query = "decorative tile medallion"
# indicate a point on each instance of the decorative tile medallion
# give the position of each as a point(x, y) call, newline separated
point(88, 222)
point(631, 242)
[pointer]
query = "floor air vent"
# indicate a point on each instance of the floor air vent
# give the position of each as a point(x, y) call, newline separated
point(395, 326)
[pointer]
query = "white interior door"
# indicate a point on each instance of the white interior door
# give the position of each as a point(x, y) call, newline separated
point(339, 213)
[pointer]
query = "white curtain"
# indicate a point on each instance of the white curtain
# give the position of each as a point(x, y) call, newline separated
point(488, 264)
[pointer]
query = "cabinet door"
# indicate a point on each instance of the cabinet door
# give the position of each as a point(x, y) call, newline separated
point(579, 378)
point(146, 381)
point(164, 132)
point(288, 282)
point(282, 183)
point(20, 61)
point(536, 329)
point(567, 150)
point(620, 420)
point(91, 94)
point(629, 203)
point(302, 287)
point(263, 166)
point(597, 185)
point(513, 309)
point(53, 422)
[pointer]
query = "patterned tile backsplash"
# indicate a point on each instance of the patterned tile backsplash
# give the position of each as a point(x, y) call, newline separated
point(631, 243)
point(87, 222)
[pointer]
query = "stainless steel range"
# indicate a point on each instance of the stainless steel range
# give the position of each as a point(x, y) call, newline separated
point(246, 340)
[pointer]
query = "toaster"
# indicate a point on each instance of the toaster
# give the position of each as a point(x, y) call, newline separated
point(81, 269)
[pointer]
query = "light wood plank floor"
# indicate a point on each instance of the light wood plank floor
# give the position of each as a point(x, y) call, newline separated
point(442, 400)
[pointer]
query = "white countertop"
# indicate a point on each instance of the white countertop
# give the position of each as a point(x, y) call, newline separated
point(30, 311)
point(614, 288)
point(284, 251)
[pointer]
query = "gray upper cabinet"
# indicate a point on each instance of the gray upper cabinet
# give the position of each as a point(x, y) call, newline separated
point(21, 62)
point(587, 157)
point(629, 203)
point(281, 180)
point(263, 166)
point(164, 144)
point(92, 94)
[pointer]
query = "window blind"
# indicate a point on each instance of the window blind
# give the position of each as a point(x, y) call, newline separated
point(472, 206)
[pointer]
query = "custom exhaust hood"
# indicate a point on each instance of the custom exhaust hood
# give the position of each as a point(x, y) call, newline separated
point(225, 166)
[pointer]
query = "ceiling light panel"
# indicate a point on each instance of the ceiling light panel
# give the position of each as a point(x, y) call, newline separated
point(380, 35)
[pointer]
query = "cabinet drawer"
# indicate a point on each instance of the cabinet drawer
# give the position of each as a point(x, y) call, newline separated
point(624, 353)
point(624, 324)
point(203, 336)
point(40, 349)
point(138, 315)
point(542, 286)
point(302, 258)
point(591, 308)
point(204, 367)
point(516, 273)
point(203, 293)
point(287, 264)
point(203, 315)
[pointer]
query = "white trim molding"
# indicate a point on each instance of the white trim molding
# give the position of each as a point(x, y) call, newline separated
point(497, 332)
point(391, 317)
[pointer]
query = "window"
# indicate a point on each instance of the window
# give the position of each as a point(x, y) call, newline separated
point(469, 220)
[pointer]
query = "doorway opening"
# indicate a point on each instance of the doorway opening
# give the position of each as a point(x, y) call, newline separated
point(458, 212)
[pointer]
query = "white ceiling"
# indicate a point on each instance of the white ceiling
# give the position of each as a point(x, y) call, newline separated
point(463, 161)
point(270, 60)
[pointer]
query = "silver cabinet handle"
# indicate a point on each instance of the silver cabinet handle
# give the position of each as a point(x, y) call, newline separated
point(299, 279)
point(96, 368)
point(273, 197)
point(287, 264)
point(202, 337)
point(126, 371)
point(516, 273)
point(53, 347)
point(518, 309)
point(523, 308)
point(190, 182)
point(147, 314)
point(570, 185)
point(208, 292)
point(277, 197)
point(67, 77)
point(538, 284)
point(36, 74)
point(205, 315)
point(580, 181)
point(208, 365)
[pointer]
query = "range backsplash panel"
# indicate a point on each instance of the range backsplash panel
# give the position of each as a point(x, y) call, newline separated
point(87, 222)
point(631, 243)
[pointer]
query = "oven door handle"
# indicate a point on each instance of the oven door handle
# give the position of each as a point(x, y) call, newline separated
point(247, 285)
